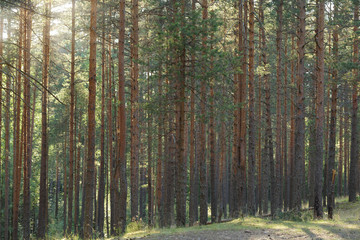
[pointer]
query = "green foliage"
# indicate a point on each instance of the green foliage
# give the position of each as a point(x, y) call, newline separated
point(298, 216)
point(135, 226)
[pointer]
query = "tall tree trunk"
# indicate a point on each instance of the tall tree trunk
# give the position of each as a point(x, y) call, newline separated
point(222, 167)
point(277, 190)
point(71, 132)
point(77, 179)
point(150, 161)
point(212, 147)
point(142, 171)
point(134, 110)
point(7, 139)
point(90, 162)
point(234, 177)
point(1, 100)
point(101, 190)
point(252, 121)
point(159, 165)
point(239, 155)
point(354, 138)
point(44, 131)
point(202, 159)
point(299, 151)
point(114, 218)
point(269, 151)
point(259, 147)
point(319, 123)
point(285, 130)
point(346, 145)
point(292, 130)
point(17, 156)
point(28, 138)
point(312, 142)
point(332, 130)
point(65, 185)
point(181, 173)
point(193, 187)
point(81, 223)
point(242, 99)
point(121, 172)
point(341, 153)
point(327, 130)
point(169, 174)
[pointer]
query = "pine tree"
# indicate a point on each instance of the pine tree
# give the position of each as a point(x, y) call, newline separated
point(90, 161)
point(44, 137)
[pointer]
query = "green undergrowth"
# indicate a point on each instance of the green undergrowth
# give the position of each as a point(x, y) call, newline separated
point(346, 219)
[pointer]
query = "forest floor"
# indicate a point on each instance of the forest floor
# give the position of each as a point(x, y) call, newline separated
point(345, 225)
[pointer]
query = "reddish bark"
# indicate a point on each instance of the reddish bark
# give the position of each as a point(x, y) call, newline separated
point(252, 122)
point(90, 161)
point(134, 112)
point(44, 131)
point(353, 171)
point(319, 122)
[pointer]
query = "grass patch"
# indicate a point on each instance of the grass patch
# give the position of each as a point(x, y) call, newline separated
point(345, 225)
